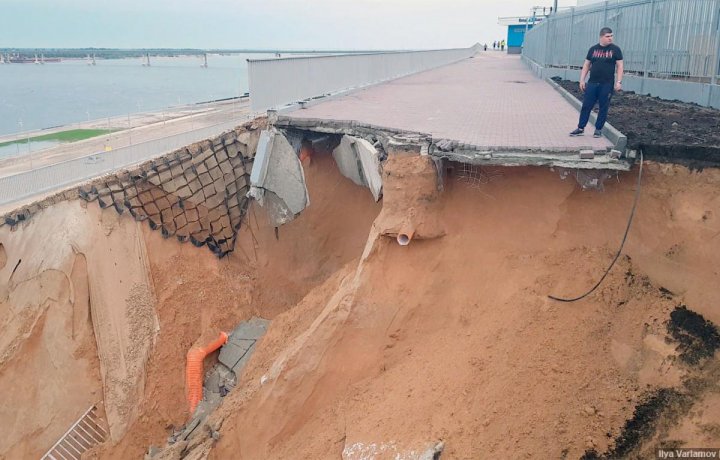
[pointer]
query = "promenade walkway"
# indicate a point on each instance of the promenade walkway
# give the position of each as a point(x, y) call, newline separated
point(490, 103)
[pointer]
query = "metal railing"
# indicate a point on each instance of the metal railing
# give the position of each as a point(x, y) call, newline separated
point(87, 432)
point(53, 177)
point(278, 82)
point(678, 39)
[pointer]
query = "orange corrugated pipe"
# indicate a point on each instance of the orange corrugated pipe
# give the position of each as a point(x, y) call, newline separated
point(194, 369)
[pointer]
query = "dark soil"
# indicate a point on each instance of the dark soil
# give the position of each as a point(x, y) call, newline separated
point(698, 338)
point(670, 131)
point(642, 425)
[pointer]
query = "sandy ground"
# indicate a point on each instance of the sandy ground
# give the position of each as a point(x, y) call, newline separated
point(454, 340)
point(78, 321)
point(382, 351)
point(197, 294)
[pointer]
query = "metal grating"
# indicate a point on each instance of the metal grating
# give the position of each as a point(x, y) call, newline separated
point(87, 432)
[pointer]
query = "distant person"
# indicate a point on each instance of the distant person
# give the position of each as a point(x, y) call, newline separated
point(494, 45)
point(602, 61)
point(485, 48)
point(502, 45)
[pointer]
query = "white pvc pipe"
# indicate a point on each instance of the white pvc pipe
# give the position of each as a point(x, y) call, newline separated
point(405, 235)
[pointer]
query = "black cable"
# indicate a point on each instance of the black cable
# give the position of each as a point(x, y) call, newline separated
point(617, 256)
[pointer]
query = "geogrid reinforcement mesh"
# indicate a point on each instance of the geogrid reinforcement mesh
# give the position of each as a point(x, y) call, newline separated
point(197, 193)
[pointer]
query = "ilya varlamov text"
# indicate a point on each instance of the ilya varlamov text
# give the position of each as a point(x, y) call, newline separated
point(688, 453)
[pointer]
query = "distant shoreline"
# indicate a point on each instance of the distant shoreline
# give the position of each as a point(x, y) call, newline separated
point(111, 53)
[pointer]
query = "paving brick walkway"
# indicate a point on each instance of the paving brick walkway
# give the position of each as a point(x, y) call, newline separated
point(491, 101)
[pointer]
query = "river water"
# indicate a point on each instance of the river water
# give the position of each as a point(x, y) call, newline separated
point(43, 96)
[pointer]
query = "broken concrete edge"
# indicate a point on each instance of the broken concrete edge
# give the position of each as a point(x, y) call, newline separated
point(389, 138)
point(24, 213)
point(609, 131)
point(515, 159)
point(455, 150)
point(284, 121)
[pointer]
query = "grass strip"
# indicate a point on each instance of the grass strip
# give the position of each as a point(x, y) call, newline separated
point(72, 135)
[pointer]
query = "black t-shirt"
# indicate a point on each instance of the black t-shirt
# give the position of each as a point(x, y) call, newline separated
point(603, 60)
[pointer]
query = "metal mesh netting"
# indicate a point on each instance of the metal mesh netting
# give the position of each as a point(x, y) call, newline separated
point(196, 194)
point(476, 176)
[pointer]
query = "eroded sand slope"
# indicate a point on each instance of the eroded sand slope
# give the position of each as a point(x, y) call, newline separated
point(454, 340)
point(376, 350)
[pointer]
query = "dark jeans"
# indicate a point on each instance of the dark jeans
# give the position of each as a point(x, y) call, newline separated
point(596, 92)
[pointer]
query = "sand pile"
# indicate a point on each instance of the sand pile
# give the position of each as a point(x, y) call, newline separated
point(77, 324)
point(74, 276)
point(382, 351)
point(266, 275)
point(453, 339)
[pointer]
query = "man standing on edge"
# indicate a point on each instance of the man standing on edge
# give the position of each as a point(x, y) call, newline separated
point(600, 62)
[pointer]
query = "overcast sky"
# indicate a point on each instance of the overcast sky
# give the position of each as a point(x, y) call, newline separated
point(268, 24)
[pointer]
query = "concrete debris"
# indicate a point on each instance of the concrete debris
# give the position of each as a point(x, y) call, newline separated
point(409, 143)
point(362, 451)
point(241, 343)
point(593, 179)
point(357, 159)
point(173, 452)
point(224, 375)
point(277, 169)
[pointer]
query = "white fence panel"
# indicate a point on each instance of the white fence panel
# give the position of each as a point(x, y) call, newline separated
point(54, 177)
point(278, 82)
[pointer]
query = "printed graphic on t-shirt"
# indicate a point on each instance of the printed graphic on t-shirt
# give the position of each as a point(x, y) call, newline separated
point(603, 59)
point(602, 54)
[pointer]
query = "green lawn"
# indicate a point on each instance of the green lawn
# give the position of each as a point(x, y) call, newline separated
point(62, 136)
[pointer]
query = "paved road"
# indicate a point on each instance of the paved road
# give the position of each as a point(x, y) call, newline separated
point(133, 130)
point(491, 101)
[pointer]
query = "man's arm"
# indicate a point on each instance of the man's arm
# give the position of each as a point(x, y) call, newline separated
point(620, 70)
point(583, 74)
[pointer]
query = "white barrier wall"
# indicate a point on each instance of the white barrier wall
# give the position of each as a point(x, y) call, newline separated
point(278, 82)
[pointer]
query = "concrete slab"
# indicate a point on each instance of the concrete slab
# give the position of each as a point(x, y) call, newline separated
point(489, 104)
point(491, 101)
point(358, 160)
point(262, 158)
point(255, 328)
point(233, 351)
point(347, 161)
point(241, 343)
point(277, 169)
